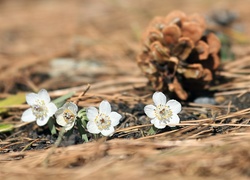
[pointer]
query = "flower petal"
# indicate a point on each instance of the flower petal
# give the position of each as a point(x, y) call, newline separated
point(44, 95)
point(69, 126)
point(115, 118)
point(92, 127)
point(107, 132)
point(174, 120)
point(42, 122)
point(51, 109)
point(31, 98)
point(153, 120)
point(158, 124)
point(60, 120)
point(92, 113)
point(159, 98)
point(28, 116)
point(174, 105)
point(72, 107)
point(59, 112)
point(105, 107)
point(150, 111)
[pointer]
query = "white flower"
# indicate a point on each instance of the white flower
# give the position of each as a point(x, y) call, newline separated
point(104, 121)
point(41, 108)
point(163, 113)
point(66, 115)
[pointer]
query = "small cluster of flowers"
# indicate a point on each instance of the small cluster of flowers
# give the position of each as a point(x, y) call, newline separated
point(162, 113)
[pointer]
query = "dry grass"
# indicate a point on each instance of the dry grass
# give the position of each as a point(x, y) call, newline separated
point(103, 39)
point(225, 156)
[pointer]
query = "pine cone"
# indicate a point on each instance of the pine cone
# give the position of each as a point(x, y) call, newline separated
point(177, 55)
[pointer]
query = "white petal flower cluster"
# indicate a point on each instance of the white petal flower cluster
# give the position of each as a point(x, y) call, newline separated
point(103, 121)
point(41, 108)
point(164, 112)
point(66, 115)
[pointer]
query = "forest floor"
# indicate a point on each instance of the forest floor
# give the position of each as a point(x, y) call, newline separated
point(62, 46)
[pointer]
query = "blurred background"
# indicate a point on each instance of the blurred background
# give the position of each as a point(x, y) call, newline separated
point(57, 44)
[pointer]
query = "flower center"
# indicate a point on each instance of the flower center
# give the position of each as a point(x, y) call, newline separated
point(68, 116)
point(102, 121)
point(39, 109)
point(163, 113)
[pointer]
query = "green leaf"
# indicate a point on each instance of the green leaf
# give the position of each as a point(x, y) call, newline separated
point(82, 114)
point(152, 131)
point(11, 100)
point(52, 127)
point(6, 127)
point(69, 132)
point(61, 100)
point(85, 137)
point(83, 117)
point(82, 131)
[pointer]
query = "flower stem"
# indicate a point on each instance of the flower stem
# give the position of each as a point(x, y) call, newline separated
point(52, 150)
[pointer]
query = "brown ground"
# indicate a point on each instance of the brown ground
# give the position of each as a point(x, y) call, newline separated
point(101, 40)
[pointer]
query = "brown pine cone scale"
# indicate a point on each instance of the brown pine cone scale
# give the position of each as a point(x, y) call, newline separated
point(178, 55)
